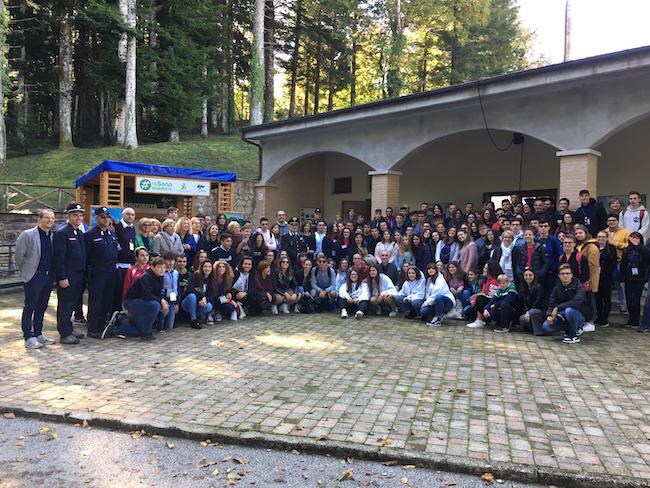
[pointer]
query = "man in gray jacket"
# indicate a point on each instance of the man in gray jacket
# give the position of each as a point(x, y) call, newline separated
point(34, 260)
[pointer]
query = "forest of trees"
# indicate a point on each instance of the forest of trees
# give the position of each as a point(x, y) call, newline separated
point(88, 72)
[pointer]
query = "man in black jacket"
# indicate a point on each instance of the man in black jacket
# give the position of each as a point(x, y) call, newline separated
point(144, 302)
point(591, 213)
point(293, 242)
point(388, 268)
point(125, 232)
point(567, 306)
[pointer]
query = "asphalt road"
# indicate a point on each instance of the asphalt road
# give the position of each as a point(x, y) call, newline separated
point(38, 454)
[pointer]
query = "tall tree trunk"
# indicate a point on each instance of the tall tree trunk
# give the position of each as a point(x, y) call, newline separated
point(454, 78)
point(297, 32)
point(65, 76)
point(394, 75)
point(257, 65)
point(330, 76)
point(21, 103)
point(353, 67)
point(3, 63)
point(130, 140)
point(227, 88)
point(319, 41)
point(307, 83)
point(174, 136)
point(204, 119)
point(423, 69)
point(102, 111)
point(269, 61)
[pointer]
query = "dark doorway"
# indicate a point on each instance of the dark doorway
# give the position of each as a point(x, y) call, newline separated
point(360, 208)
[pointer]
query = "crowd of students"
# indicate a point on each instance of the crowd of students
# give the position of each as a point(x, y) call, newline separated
point(536, 267)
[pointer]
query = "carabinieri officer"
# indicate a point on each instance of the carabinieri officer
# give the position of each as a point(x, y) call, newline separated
point(69, 256)
point(101, 249)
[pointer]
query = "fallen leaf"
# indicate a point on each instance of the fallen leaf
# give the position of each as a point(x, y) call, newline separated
point(85, 424)
point(321, 438)
point(170, 445)
point(153, 461)
point(44, 429)
point(346, 475)
point(295, 451)
point(409, 466)
point(216, 472)
point(136, 434)
point(350, 460)
point(9, 415)
point(305, 476)
point(488, 478)
point(298, 428)
point(450, 483)
point(392, 462)
point(238, 460)
point(404, 481)
point(386, 442)
point(204, 463)
point(156, 436)
point(53, 436)
point(233, 477)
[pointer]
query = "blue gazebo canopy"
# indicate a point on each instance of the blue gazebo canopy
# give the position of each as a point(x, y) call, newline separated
point(155, 170)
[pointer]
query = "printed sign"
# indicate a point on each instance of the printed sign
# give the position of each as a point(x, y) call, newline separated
point(170, 186)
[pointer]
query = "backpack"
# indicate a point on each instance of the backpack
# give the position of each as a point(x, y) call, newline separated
point(578, 260)
point(641, 215)
point(307, 304)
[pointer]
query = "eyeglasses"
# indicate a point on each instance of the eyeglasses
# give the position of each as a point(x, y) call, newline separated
point(565, 272)
point(321, 261)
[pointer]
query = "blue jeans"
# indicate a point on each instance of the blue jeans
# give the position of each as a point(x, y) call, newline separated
point(37, 294)
point(412, 306)
point(440, 306)
point(167, 322)
point(465, 297)
point(620, 290)
point(144, 314)
point(191, 305)
point(570, 319)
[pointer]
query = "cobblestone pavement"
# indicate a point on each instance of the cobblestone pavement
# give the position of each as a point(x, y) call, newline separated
point(392, 383)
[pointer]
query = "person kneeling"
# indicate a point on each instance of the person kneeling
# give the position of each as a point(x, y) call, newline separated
point(381, 290)
point(143, 302)
point(353, 296)
point(503, 305)
point(567, 306)
point(438, 298)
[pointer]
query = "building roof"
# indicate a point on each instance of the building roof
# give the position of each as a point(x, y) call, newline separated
point(155, 170)
point(576, 71)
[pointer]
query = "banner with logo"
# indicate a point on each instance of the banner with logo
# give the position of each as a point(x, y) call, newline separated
point(171, 186)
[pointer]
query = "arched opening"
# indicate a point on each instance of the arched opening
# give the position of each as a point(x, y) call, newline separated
point(466, 167)
point(625, 165)
point(327, 180)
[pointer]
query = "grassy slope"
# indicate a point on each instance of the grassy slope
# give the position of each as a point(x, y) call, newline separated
point(62, 167)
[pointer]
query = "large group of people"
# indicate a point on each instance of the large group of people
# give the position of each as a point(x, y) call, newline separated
point(524, 265)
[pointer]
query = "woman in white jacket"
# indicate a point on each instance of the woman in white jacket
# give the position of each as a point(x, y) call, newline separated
point(353, 296)
point(411, 296)
point(387, 244)
point(438, 298)
point(381, 290)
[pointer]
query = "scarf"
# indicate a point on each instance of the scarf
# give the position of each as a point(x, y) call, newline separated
point(506, 262)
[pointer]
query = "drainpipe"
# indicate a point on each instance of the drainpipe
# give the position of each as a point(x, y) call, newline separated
point(259, 155)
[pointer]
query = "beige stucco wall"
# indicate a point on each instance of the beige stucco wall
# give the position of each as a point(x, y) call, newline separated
point(340, 166)
point(625, 161)
point(461, 167)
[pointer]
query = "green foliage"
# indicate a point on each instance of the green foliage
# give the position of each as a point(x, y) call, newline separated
point(62, 167)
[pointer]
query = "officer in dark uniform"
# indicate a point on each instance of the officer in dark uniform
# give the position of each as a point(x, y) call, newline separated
point(69, 256)
point(293, 242)
point(101, 251)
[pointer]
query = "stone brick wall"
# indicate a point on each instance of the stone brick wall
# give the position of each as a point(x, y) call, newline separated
point(244, 200)
point(12, 224)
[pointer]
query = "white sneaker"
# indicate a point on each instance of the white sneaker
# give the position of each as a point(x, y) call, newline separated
point(44, 340)
point(344, 314)
point(274, 309)
point(33, 343)
point(589, 327)
point(233, 315)
point(285, 308)
point(210, 319)
point(242, 312)
point(393, 313)
point(358, 315)
point(477, 324)
point(296, 308)
point(218, 318)
point(435, 322)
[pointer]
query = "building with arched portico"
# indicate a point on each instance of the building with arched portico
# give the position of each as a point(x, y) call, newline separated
point(585, 124)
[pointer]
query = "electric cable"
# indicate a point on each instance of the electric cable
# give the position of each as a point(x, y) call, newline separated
point(494, 143)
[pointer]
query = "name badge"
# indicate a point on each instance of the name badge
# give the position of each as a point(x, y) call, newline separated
point(635, 271)
point(131, 246)
point(172, 296)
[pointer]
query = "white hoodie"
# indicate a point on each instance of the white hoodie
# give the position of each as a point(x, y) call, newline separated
point(385, 286)
point(413, 290)
point(437, 288)
point(631, 220)
point(358, 292)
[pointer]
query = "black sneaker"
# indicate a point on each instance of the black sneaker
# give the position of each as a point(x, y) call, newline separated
point(501, 330)
point(95, 335)
point(643, 329)
point(196, 324)
point(148, 338)
point(78, 335)
point(571, 340)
